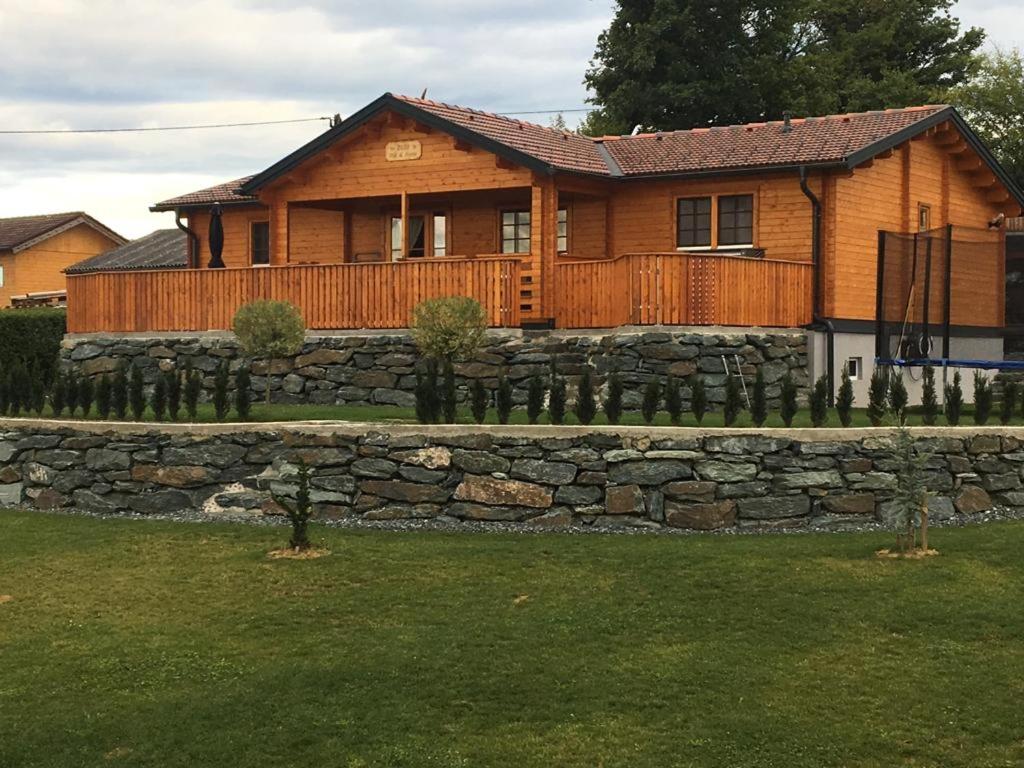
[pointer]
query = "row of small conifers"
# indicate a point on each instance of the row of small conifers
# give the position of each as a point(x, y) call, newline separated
point(174, 394)
point(437, 399)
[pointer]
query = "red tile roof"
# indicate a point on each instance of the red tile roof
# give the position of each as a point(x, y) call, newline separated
point(20, 230)
point(758, 145)
point(219, 193)
point(558, 148)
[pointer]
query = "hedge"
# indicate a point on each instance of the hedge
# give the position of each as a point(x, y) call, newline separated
point(32, 337)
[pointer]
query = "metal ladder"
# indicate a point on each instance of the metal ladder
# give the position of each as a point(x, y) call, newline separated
point(739, 374)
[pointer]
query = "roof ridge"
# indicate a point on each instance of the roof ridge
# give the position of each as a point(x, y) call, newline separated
point(44, 215)
point(485, 113)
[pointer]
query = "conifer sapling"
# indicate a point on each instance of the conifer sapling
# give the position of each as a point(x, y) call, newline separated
point(243, 393)
point(651, 400)
point(787, 400)
point(982, 398)
point(954, 397)
point(478, 397)
point(878, 395)
point(844, 399)
point(898, 397)
point(103, 393)
point(221, 381)
point(586, 403)
point(1008, 405)
point(759, 399)
point(612, 405)
point(733, 400)
point(819, 402)
point(698, 397)
point(86, 393)
point(674, 400)
point(158, 398)
point(503, 399)
point(136, 393)
point(534, 399)
point(929, 397)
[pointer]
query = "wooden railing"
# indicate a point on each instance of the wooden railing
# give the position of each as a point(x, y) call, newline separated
point(682, 289)
point(330, 296)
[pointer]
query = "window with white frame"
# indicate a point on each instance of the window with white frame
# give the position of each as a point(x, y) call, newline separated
point(855, 368)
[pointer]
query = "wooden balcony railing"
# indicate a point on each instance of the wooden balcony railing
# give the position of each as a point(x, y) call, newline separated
point(680, 288)
point(330, 296)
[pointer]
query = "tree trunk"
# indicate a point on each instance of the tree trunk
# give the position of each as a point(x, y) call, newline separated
point(300, 537)
point(924, 526)
point(266, 389)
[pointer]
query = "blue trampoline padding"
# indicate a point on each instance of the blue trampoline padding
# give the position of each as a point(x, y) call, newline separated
point(996, 365)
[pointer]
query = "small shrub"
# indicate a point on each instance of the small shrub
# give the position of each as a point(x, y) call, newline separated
point(910, 501)
point(449, 328)
point(898, 396)
point(556, 400)
point(428, 403)
point(299, 512)
point(929, 397)
point(503, 399)
point(158, 398)
point(651, 400)
point(1008, 405)
point(787, 400)
point(612, 405)
point(878, 395)
point(759, 400)
point(21, 390)
point(698, 398)
point(39, 393)
point(31, 338)
point(982, 398)
point(844, 400)
point(119, 392)
point(534, 399)
point(173, 377)
point(70, 391)
point(103, 393)
point(221, 385)
point(954, 397)
point(269, 330)
point(136, 394)
point(478, 397)
point(819, 402)
point(193, 386)
point(449, 403)
point(243, 393)
point(673, 400)
point(733, 400)
point(86, 394)
point(586, 403)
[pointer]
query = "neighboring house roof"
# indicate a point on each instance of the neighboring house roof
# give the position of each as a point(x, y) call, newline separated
point(22, 232)
point(226, 194)
point(832, 141)
point(163, 249)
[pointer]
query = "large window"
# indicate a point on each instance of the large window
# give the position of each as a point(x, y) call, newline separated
point(515, 232)
point(259, 243)
point(424, 231)
point(440, 235)
point(563, 230)
point(693, 227)
point(736, 220)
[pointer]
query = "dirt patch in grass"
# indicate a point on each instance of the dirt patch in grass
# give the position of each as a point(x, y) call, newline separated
point(916, 554)
point(290, 553)
point(6, 599)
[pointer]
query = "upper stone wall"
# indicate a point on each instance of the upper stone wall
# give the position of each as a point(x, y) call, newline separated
point(379, 369)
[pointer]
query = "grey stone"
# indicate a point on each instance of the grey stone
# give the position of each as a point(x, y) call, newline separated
point(700, 516)
point(10, 494)
point(479, 462)
point(434, 457)
point(216, 454)
point(805, 480)
point(578, 495)
point(104, 459)
point(551, 472)
point(770, 507)
point(159, 502)
point(691, 490)
point(400, 490)
point(972, 499)
point(381, 468)
point(726, 472)
point(624, 500)
point(649, 472)
point(39, 474)
point(489, 490)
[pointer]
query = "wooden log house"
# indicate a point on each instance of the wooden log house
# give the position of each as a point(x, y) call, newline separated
point(768, 224)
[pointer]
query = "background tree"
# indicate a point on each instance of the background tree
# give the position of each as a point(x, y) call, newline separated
point(478, 398)
point(1008, 405)
point(86, 393)
point(819, 402)
point(844, 400)
point(193, 386)
point(929, 399)
point(428, 401)
point(898, 397)
point(954, 400)
point(787, 400)
point(759, 400)
point(733, 400)
point(5, 390)
point(70, 390)
point(878, 395)
point(301, 511)
point(982, 398)
point(613, 399)
point(503, 399)
point(673, 400)
point(243, 393)
point(173, 377)
point(39, 391)
point(671, 64)
point(992, 101)
point(136, 393)
point(586, 401)
point(449, 402)
point(450, 328)
point(158, 398)
point(58, 391)
point(698, 398)
point(651, 399)
point(556, 398)
point(534, 399)
point(103, 393)
point(221, 380)
point(269, 330)
point(119, 392)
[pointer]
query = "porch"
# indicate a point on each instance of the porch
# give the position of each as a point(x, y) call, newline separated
point(674, 288)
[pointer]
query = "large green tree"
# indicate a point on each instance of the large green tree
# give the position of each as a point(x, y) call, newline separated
point(667, 64)
point(993, 103)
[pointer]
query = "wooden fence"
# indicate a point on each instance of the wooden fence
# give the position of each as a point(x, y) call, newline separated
point(335, 296)
point(682, 289)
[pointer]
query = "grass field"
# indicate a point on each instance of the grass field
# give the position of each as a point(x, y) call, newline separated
point(141, 643)
point(389, 413)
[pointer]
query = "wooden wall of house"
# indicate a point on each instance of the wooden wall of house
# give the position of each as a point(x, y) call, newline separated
point(886, 194)
point(40, 268)
point(644, 213)
point(237, 222)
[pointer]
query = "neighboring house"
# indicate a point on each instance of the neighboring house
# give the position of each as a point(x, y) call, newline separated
point(162, 249)
point(35, 250)
point(769, 224)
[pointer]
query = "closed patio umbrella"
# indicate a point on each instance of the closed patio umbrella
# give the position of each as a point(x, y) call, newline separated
point(216, 238)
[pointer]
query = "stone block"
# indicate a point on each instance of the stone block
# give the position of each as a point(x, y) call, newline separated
point(490, 490)
point(700, 516)
point(772, 507)
point(624, 500)
point(649, 472)
point(972, 499)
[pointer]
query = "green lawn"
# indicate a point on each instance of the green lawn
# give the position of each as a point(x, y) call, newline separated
point(142, 643)
point(391, 413)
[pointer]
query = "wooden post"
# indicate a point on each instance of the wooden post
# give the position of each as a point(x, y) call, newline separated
point(405, 225)
point(544, 244)
point(278, 232)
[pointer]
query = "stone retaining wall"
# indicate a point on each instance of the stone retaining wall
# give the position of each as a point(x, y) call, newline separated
point(379, 369)
point(546, 476)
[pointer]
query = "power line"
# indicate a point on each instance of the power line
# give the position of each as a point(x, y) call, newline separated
point(161, 128)
point(547, 111)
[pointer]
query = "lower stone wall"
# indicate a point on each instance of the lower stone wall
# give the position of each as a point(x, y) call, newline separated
point(545, 476)
point(379, 369)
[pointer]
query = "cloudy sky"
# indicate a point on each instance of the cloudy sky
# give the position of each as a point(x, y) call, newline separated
point(107, 63)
